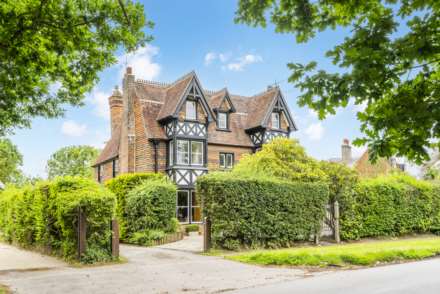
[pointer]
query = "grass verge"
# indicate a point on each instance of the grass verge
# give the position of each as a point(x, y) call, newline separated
point(359, 254)
point(4, 289)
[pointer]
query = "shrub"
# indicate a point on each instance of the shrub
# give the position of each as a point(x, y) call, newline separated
point(192, 228)
point(121, 186)
point(389, 206)
point(146, 237)
point(151, 206)
point(256, 212)
point(45, 216)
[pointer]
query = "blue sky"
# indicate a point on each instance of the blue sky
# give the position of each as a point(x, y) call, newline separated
point(199, 35)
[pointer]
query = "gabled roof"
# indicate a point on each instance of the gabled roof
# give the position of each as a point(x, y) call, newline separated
point(219, 97)
point(260, 107)
point(111, 149)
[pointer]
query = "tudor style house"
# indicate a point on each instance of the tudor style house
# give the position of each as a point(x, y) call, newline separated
point(185, 131)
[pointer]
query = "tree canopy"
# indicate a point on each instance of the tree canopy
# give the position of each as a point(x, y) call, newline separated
point(72, 161)
point(389, 62)
point(52, 51)
point(10, 162)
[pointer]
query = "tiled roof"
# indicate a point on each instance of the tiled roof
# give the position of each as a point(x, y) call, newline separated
point(259, 105)
point(111, 149)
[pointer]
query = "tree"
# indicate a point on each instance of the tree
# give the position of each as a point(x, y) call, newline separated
point(72, 161)
point(52, 51)
point(10, 161)
point(390, 62)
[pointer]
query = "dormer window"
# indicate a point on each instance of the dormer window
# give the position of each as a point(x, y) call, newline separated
point(222, 120)
point(191, 112)
point(275, 120)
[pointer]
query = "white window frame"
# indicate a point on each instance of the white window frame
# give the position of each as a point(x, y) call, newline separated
point(171, 153)
point(191, 111)
point(222, 117)
point(276, 120)
point(181, 154)
point(225, 156)
point(199, 153)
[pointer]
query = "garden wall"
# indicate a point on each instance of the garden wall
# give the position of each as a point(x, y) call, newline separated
point(45, 216)
point(256, 212)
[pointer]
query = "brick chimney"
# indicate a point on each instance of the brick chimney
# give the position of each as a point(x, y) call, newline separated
point(346, 152)
point(116, 107)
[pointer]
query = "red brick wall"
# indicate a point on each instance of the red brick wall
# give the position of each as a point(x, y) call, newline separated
point(214, 150)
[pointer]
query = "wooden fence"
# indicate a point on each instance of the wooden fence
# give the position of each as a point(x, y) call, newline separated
point(169, 238)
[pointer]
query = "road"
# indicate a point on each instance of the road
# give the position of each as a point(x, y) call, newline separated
point(415, 277)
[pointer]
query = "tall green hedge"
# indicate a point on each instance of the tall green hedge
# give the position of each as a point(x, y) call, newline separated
point(390, 206)
point(45, 216)
point(256, 212)
point(151, 207)
point(121, 186)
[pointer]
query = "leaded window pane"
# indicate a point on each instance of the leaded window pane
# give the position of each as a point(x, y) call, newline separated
point(182, 152)
point(275, 120)
point(196, 153)
point(171, 153)
point(222, 160)
point(229, 160)
point(222, 119)
point(191, 110)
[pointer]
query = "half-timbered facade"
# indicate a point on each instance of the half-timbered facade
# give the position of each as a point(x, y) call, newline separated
point(183, 130)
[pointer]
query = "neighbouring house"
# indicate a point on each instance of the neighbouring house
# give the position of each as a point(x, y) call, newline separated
point(363, 165)
point(184, 130)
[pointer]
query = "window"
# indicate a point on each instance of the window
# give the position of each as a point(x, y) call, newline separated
point(275, 120)
point(182, 206)
point(196, 153)
point(222, 120)
point(182, 152)
point(189, 152)
point(191, 112)
point(100, 172)
point(115, 167)
point(171, 153)
point(226, 160)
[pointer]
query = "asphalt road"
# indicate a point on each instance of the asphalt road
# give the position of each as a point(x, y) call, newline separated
point(408, 278)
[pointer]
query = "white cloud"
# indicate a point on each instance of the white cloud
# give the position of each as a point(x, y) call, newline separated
point(315, 131)
point(243, 61)
point(210, 57)
point(141, 61)
point(224, 57)
point(99, 100)
point(73, 129)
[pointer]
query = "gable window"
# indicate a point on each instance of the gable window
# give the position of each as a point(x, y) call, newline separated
point(191, 112)
point(226, 160)
point(222, 120)
point(275, 120)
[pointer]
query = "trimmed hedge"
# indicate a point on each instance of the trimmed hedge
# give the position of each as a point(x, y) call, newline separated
point(121, 186)
point(390, 206)
point(255, 212)
point(152, 206)
point(44, 216)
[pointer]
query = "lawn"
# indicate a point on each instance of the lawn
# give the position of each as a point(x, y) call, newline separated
point(362, 253)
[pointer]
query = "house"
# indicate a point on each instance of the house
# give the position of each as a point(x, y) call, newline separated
point(363, 165)
point(184, 130)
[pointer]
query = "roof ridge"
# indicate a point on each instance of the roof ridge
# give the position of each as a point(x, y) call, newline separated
point(266, 91)
point(153, 83)
point(182, 78)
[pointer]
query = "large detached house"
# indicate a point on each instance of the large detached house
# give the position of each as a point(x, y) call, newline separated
point(183, 130)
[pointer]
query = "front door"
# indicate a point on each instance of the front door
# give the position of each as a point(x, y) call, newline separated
point(188, 208)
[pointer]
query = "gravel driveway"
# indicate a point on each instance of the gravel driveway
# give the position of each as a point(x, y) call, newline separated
point(171, 268)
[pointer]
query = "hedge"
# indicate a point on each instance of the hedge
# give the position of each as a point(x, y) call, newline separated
point(390, 206)
point(151, 207)
point(44, 216)
point(256, 212)
point(121, 186)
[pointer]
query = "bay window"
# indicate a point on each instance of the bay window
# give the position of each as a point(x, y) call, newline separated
point(188, 152)
point(196, 153)
point(182, 152)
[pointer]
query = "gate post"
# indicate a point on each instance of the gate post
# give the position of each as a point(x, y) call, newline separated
point(82, 233)
point(206, 234)
point(115, 238)
point(336, 220)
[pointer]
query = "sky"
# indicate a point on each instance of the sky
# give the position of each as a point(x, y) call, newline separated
point(200, 35)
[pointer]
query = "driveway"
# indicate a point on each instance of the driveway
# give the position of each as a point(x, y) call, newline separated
point(171, 268)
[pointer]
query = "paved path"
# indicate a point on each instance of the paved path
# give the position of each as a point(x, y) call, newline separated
point(409, 278)
point(150, 270)
point(13, 258)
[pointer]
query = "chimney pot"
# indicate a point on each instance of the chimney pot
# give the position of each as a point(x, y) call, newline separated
point(129, 70)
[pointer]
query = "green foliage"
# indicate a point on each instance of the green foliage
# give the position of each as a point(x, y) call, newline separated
point(146, 237)
point(72, 161)
point(192, 228)
point(389, 206)
point(260, 212)
point(51, 52)
point(121, 186)
point(340, 178)
point(46, 215)
point(151, 206)
point(10, 161)
point(395, 75)
point(346, 255)
point(281, 158)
